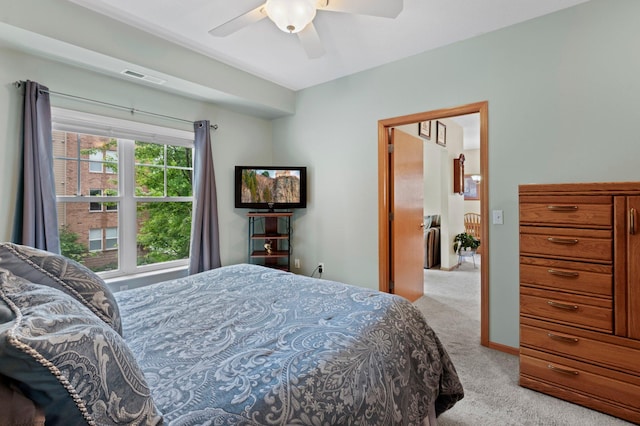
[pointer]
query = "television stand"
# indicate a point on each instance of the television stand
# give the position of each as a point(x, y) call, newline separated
point(270, 239)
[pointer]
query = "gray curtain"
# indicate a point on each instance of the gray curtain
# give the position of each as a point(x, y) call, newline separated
point(36, 221)
point(205, 243)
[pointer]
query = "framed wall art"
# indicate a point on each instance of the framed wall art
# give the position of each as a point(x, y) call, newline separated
point(425, 129)
point(471, 187)
point(441, 133)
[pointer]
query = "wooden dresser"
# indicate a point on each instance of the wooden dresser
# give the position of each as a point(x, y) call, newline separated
point(580, 294)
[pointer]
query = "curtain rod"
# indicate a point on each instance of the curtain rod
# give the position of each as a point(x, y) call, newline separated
point(18, 84)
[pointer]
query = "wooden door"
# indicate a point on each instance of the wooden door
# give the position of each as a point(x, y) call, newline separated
point(407, 236)
point(633, 267)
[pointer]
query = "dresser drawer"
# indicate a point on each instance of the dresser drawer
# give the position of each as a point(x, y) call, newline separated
point(579, 244)
point(581, 346)
point(572, 309)
point(581, 377)
point(594, 211)
point(567, 276)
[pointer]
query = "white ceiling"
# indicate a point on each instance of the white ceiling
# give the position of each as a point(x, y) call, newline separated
point(353, 43)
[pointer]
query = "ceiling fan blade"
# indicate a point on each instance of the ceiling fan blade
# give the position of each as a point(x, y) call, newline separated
point(239, 22)
point(311, 41)
point(382, 8)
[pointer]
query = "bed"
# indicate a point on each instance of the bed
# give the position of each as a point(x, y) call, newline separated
point(238, 345)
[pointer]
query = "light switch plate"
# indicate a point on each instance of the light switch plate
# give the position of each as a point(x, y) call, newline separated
point(497, 217)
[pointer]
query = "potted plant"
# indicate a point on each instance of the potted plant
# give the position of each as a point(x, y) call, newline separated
point(464, 241)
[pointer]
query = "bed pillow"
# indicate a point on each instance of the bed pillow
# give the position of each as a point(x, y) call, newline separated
point(54, 270)
point(67, 361)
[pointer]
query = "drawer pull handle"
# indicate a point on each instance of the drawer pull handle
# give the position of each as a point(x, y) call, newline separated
point(563, 273)
point(562, 305)
point(563, 208)
point(562, 240)
point(632, 221)
point(563, 338)
point(562, 370)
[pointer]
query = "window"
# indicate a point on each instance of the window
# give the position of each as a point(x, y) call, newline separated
point(136, 182)
point(95, 206)
point(95, 163)
point(113, 205)
point(110, 238)
point(111, 158)
point(95, 239)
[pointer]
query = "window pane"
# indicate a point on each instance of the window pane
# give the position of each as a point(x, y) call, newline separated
point(95, 239)
point(112, 162)
point(102, 147)
point(81, 236)
point(179, 183)
point(95, 206)
point(164, 230)
point(179, 156)
point(111, 206)
point(78, 162)
point(149, 153)
point(149, 181)
point(163, 170)
point(110, 238)
point(95, 164)
point(60, 164)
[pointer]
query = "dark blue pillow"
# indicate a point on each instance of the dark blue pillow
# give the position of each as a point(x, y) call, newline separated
point(73, 278)
point(68, 361)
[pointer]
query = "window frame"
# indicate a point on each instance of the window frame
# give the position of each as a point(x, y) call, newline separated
point(126, 201)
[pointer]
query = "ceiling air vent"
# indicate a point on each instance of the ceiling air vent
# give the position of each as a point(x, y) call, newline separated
point(144, 77)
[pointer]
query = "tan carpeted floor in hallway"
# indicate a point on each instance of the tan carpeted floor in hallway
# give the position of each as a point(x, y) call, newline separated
point(490, 378)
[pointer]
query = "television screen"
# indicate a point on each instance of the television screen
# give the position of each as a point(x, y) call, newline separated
point(262, 187)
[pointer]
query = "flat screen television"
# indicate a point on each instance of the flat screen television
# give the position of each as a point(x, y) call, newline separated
point(272, 188)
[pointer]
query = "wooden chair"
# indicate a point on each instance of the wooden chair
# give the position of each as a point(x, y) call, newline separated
point(472, 226)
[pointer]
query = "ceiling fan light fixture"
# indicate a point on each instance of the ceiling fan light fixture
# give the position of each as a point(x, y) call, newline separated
point(291, 16)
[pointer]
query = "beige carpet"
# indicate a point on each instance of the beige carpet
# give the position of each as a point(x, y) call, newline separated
point(490, 378)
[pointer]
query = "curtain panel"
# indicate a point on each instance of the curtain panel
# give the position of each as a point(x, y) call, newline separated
point(36, 220)
point(205, 242)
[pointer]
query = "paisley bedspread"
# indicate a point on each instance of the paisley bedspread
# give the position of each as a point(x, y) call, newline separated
point(248, 345)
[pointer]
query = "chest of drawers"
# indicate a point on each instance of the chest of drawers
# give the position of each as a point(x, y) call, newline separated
point(580, 294)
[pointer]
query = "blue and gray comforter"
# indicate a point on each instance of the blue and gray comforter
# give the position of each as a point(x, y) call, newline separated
point(248, 345)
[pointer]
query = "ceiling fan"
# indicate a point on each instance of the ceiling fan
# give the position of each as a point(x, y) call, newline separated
point(296, 17)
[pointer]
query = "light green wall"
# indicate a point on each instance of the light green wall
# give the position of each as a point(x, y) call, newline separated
point(239, 139)
point(563, 93)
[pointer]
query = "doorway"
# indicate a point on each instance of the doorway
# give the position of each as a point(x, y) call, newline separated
point(385, 206)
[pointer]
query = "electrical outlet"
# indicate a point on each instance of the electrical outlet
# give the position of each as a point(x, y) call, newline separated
point(320, 267)
point(296, 263)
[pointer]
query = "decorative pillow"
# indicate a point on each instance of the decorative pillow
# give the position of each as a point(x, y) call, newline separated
point(67, 361)
point(54, 270)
